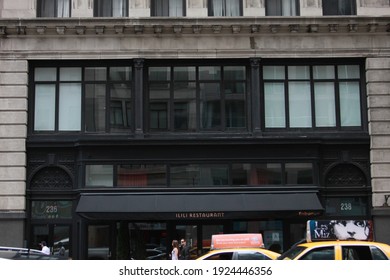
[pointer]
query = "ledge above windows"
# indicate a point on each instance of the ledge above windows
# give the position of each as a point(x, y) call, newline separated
point(191, 26)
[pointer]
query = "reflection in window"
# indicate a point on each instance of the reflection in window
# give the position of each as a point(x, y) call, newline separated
point(199, 175)
point(338, 7)
point(53, 8)
point(220, 8)
point(99, 175)
point(139, 175)
point(256, 174)
point(168, 8)
point(282, 7)
point(110, 8)
point(299, 173)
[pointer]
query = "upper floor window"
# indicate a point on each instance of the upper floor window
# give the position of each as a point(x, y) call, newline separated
point(219, 8)
point(199, 174)
point(338, 7)
point(282, 7)
point(191, 98)
point(111, 8)
point(168, 8)
point(90, 99)
point(319, 96)
point(53, 8)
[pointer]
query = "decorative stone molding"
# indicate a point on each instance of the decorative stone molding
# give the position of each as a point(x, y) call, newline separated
point(41, 30)
point(294, 28)
point(60, 30)
point(216, 29)
point(119, 29)
point(255, 28)
point(99, 29)
point(139, 29)
point(236, 29)
point(196, 29)
point(80, 30)
point(187, 26)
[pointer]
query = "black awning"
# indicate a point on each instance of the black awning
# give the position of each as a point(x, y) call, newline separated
point(196, 205)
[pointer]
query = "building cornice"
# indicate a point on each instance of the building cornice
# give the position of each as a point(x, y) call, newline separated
point(193, 26)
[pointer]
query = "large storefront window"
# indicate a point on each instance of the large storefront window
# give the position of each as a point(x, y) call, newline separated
point(319, 96)
point(190, 98)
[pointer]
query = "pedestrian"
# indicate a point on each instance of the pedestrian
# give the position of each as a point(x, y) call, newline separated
point(184, 250)
point(175, 250)
point(44, 248)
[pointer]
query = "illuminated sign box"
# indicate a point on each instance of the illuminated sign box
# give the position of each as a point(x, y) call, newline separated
point(245, 240)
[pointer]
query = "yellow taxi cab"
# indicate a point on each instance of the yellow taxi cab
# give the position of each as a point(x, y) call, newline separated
point(246, 246)
point(338, 240)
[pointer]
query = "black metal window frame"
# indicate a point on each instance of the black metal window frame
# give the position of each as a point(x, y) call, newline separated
point(108, 84)
point(312, 63)
point(155, 12)
point(170, 127)
point(40, 7)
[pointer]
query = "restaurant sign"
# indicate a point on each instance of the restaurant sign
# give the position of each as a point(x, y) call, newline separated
point(199, 215)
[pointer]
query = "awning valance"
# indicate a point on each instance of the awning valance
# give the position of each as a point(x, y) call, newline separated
point(195, 205)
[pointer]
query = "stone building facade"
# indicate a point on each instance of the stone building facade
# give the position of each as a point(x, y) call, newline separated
point(29, 41)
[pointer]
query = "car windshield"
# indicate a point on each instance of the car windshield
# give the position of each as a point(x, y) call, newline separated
point(292, 253)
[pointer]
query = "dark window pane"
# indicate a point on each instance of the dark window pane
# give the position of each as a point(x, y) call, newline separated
point(282, 8)
point(235, 113)
point(338, 7)
point(257, 174)
point(53, 8)
point(95, 73)
point(219, 8)
point(199, 175)
point(141, 175)
point(120, 110)
point(158, 115)
point(95, 108)
point(299, 173)
point(168, 8)
point(110, 8)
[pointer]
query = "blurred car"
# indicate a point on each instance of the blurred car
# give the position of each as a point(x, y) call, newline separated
point(238, 247)
point(338, 250)
point(155, 254)
point(14, 253)
point(324, 241)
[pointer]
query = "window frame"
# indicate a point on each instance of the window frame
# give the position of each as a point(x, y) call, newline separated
point(170, 82)
point(297, 7)
point(329, 10)
point(97, 12)
point(336, 82)
point(210, 10)
point(107, 84)
point(153, 9)
point(40, 9)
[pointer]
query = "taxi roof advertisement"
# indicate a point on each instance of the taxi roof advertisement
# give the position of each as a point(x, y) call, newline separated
point(339, 230)
point(225, 241)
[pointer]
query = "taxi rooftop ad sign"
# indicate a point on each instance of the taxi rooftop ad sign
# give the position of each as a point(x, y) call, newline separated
point(322, 230)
